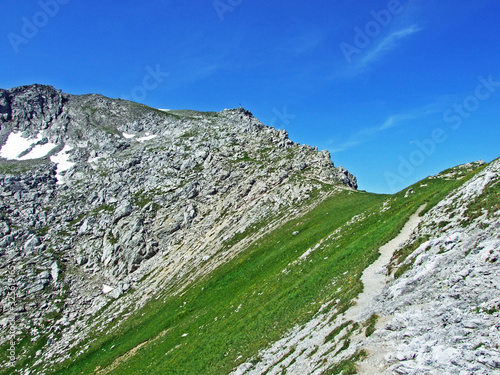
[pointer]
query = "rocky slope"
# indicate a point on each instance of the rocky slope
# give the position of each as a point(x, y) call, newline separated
point(113, 213)
point(437, 311)
point(442, 316)
point(98, 194)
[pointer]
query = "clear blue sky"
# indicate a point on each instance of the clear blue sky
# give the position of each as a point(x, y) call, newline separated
point(391, 88)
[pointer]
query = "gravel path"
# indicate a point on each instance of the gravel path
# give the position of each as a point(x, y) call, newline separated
point(307, 349)
point(374, 277)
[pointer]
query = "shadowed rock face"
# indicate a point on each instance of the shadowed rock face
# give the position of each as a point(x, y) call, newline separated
point(143, 189)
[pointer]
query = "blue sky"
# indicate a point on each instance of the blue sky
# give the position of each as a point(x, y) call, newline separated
point(395, 90)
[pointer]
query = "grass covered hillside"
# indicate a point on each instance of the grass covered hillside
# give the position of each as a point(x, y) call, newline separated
point(307, 265)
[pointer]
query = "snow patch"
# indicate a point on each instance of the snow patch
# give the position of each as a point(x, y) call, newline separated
point(61, 158)
point(147, 137)
point(128, 136)
point(39, 151)
point(16, 144)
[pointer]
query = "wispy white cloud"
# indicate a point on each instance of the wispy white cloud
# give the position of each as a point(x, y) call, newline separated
point(367, 134)
point(380, 48)
point(395, 120)
point(385, 45)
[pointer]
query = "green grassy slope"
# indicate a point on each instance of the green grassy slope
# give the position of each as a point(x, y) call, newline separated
point(224, 319)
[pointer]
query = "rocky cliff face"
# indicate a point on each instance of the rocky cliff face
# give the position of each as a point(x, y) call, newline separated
point(97, 194)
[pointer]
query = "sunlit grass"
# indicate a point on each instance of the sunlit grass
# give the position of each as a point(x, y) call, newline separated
point(244, 305)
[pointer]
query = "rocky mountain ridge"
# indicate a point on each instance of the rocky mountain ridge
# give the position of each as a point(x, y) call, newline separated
point(104, 192)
